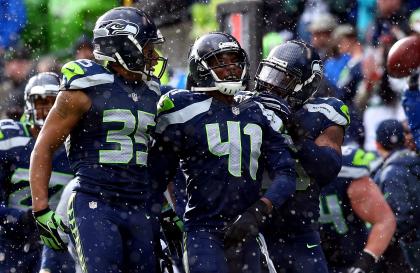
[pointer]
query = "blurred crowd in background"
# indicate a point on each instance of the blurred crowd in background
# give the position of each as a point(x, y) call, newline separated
point(353, 38)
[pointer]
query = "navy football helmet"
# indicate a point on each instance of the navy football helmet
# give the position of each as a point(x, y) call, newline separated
point(293, 70)
point(42, 85)
point(203, 76)
point(120, 36)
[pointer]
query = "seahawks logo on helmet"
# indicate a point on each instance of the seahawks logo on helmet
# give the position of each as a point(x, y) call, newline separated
point(116, 27)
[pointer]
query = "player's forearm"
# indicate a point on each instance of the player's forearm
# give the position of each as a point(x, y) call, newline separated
point(381, 235)
point(320, 162)
point(39, 176)
point(282, 187)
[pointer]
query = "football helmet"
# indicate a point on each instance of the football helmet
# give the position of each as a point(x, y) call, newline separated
point(293, 70)
point(42, 85)
point(202, 75)
point(121, 34)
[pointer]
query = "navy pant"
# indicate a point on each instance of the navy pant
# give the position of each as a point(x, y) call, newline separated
point(111, 237)
point(204, 253)
point(19, 257)
point(57, 261)
point(297, 253)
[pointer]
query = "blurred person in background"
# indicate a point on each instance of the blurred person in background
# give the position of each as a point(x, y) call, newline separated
point(347, 203)
point(409, 142)
point(19, 241)
point(83, 48)
point(349, 78)
point(391, 19)
point(47, 63)
point(18, 68)
point(398, 178)
point(321, 28)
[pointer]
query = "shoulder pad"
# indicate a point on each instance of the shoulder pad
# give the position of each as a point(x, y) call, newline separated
point(332, 108)
point(276, 123)
point(154, 85)
point(12, 134)
point(179, 106)
point(177, 99)
point(81, 74)
point(356, 162)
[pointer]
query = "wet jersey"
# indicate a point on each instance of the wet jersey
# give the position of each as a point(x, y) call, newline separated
point(16, 145)
point(398, 179)
point(222, 151)
point(300, 213)
point(343, 234)
point(108, 147)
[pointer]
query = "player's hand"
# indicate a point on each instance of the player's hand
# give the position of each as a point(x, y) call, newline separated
point(274, 103)
point(364, 264)
point(246, 225)
point(48, 224)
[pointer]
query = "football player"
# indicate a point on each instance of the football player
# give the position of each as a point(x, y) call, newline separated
point(222, 148)
point(106, 113)
point(398, 178)
point(19, 242)
point(293, 71)
point(347, 204)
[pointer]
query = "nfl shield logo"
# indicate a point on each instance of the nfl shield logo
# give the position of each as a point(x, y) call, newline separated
point(93, 205)
point(235, 111)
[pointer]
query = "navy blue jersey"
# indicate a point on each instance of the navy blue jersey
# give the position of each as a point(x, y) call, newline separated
point(398, 178)
point(343, 234)
point(221, 150)
point(16, 145)
point(108, 147)
point(301, 212)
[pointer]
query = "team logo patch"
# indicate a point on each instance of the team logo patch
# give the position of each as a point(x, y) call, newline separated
point(93, 204)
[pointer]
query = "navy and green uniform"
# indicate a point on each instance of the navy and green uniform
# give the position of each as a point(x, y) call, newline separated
point(19, 241)
point(399, 178)
point(292, 236)
point(109, 214)
point(343, 233)
point(221, 151)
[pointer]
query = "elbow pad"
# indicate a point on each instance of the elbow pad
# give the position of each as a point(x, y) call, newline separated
point(321, 163)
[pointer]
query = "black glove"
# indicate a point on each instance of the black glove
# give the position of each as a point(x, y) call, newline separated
point(413, 81)
point(274, 103)
point(364, 264)
point(246, 225)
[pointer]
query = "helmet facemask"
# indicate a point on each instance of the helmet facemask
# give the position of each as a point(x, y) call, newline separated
point(136, 60)
point(287, 83)
point(35, 114)
point(211, 64)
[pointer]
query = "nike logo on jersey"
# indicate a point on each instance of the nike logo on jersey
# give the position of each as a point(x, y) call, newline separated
point(311, 246)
